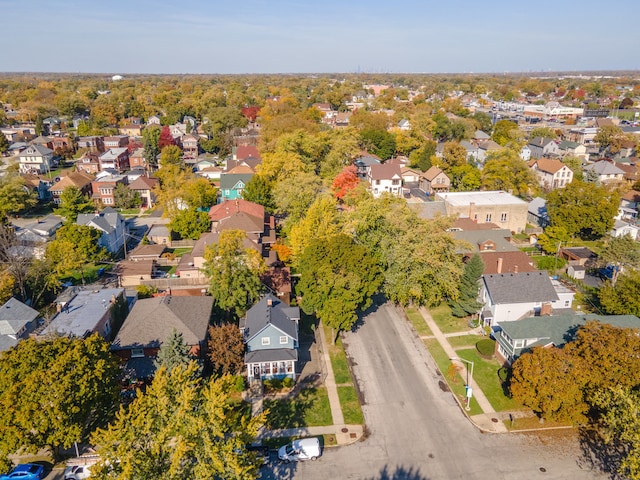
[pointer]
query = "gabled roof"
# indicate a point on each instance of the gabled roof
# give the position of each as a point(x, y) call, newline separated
point(36, 150)
point(241, 169)
point(152, 320)
point(507, 262)
point(538, 207)
point(520, 287)
point(112, 154)
point(14, 315)
point(243, 152)
point(231, 180)
point(478, 237)
point(278, 314)
point(432, 173)
point(385, 171)
point(242, 221)
point(540, 142)
point(547, 165)
point(632, 196)
point(143, 183)
point(480, 135)
point(230, 207)
point(566, 145)
point(603, 167)
point(73, 179)
point(489, 145)
point(107, 220)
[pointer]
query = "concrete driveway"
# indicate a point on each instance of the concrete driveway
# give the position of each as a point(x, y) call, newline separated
point(417, 430)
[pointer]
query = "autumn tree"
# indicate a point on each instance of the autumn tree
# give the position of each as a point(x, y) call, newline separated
point(233, 270)
point(609, 137)
point(15, 197)
point(260, 190)
point(553, 238)
point(453, 155)
point(345, 182)
point(543, 132)
point(337, 279)
point(198, 192)
point(322, 220)
point(226, 349)
point(72, 203)
point(505, 170)
point(190, 223)
point(54, 392)
point(503, 131)
point(180, 427)
point(465, 178)
point(575, 164)
point(165, 139)
point(583, 209)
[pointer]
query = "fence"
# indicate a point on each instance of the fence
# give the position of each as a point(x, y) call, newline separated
point(163, 283)
point(182, 243)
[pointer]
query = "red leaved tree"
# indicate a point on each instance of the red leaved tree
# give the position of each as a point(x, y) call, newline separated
point(165, 138)
point(345, 182)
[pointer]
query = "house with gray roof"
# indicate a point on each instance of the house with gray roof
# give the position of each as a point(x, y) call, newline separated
point(606, 171)
point(110, 223)
point(537, 213)
point(152, 320)
point(36, 159)
point(515, 338)
point(507, 297)
point(17, 320)
point(270, 330)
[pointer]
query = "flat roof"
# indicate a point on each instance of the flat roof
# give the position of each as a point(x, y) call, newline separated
point(461, 199)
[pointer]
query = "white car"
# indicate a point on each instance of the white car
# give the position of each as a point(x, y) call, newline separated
point(299, 450)
point(77, 472)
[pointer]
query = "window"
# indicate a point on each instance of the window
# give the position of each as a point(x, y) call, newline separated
point(107, 201)
point(284, 340)
point(266, 341)
point(519, 344)
point(137, 353)
point(377, 182)
point(488, 217)
point(503, 217)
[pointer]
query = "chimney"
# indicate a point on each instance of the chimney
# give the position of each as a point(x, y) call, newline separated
point(515, 269)
point(471, 205)
point(269, 302)
point(500, 265)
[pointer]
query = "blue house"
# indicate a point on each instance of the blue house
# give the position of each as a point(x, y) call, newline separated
point(232, 184)
point(270, 330)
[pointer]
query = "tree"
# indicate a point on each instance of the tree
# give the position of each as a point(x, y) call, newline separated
point(173, 353)
point(322, 220)
point(233, 272)
point(4, 144)
point(150, 139)
point(345, 182)
point(453, 155)
point(467, 302)
point(379, 142)
point(337, 278)
point(72, 203)
point(609, 137)
point(74, 247)
point(552, 238)
point(583, 209)
point(14, 195)
point(165, 139)
point(622, 252)
point(124, 197)
point(483, 121)
point(226, 349)
point(190, 223)
point(623, 298)
point(465, 178)
point(421, 157)
point(260, 190)
point(181, 427)
point(54, 392)
point(505, 170)
point(502, 131)
point(199, 193)
point(170, 155)
point(575, 164)
point(542, 380)
point(543, 132)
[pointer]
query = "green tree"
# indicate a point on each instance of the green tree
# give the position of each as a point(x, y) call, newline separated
point(199, 193)
point(575, 164)
point(259, 190)
point(170, 155)
point(72, 203)
point(379, 142)
point(74, 247)
point(421, 157)
point(453, 155)
point(233, 272)
point(226, 349)
point(54, 392)
point(173, 353)
point(150, 139)
point(483, 121)
point(124, 197)
point(181, 427)
point(505, 170)
point(322, 220)
point(337, 279)
point(190, 223)
point(503, 131)
point(623, 252)
point(553, 238)
point(543, 132)
point(467, 302)
point(623, 298)
point(465, 178)
point(583, 209)
point(15, 197)
point(4, 144)
point(609, 137)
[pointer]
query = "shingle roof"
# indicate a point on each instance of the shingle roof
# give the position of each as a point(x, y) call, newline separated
point(507, 262)
point(230, 207)
point(548, 165)
point(143, 183)
point(14, 315)
point(385, 171)
point(279, 314)
point(477, 237)
point(75, 179)
point(520, 287)
point(432, 173)
point(152, 320)
point(271, 355)
point(604, 167)
point(230, 180)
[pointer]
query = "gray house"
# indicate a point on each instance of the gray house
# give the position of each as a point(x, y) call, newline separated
point(110, 223)
point(17, 320)
point(270, 331)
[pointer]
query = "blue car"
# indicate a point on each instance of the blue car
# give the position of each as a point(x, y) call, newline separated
point(25, 471)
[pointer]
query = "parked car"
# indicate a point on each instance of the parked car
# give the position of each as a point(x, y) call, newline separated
point(299, 450)
point(77, 472)
point(25, 471)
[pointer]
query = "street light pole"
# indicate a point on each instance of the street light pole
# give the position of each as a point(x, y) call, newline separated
point(469, 390)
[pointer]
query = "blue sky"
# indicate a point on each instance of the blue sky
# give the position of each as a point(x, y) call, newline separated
point(296, 36)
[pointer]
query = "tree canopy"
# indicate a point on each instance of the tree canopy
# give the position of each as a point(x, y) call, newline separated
point(190, 223)
point(72, 203)
point(226, 349)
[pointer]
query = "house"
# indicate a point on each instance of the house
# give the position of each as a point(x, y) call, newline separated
point(116, 159)
point(152, 320)
point(567, 148)
point(243, 152)
point(92, 144)
point(404, 125)
point(506, 262)
point(36, 159)
point(145, 187)
point(515, 338)
point(43, 141)
point(497, 207)
point(131, 130)
point(484, 240)
point(17, 321)
point(80, 180)
point(551, 174)
point(543, 147)
point(363, 163)
point(39, 184)
point(537, 214)
point(525, 153)
point(278, 280)
point(576, 255)
point(110, 223)
point(81, 313)
point(270, 332)
point(607, 172)
point(385, 178)
point(137, 159)
point(190, 146)
point(154, 120)
point(410, 175)
point(232, 183)
point(160, 234)
point(116, 141)
point(511, 296)
point(33, 237)
point(89, 163)
point(132, 274)
point(103, 188)
point(434, 180)
point(61, 143)
point(620, 229)
point(485, 148)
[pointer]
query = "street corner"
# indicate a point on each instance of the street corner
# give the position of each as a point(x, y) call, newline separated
point(489, 423)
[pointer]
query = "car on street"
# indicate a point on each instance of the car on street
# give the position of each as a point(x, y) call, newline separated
point(77, 472)
point(25, 471)
point(299, 450)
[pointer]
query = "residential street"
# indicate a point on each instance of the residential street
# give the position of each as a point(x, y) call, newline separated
point(417, 430)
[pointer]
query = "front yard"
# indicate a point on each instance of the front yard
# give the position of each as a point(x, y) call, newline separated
point(309, 408)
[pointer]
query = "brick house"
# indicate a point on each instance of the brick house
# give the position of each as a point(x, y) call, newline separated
point(102, 188)
point(89, 162)
point(116, 159)
point(80, 180)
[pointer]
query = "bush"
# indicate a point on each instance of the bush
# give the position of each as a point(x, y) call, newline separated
point(169, 256)
point(146, 291)
point(551, 264)
point(486, 347)
point(287, 382)
point(273, 384)
point(238, 384)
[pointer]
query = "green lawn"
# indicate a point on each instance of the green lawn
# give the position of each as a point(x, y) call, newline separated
point(416, 319)
point(456, 384)
point(129, 211)
point(307, 409)
point(180, 251)
point(90, 271)
point(464, 341)
point(485, 373)
point(447, 322)
point(338, 358)
point(350, 406)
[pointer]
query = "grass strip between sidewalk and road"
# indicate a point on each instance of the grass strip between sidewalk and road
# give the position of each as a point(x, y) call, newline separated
point(417, 320)
point(350, 405)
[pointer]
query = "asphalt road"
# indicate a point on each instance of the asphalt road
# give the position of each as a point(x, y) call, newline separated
point(416, 429)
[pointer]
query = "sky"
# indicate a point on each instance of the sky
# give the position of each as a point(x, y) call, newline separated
point(323, 36)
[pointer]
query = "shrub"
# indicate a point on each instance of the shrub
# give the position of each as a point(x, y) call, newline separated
point(551, 264)
point(486, 347)
point(169, 255)
point(287, 382)
point(146, 291)
point(238, 384)
point(273, 383)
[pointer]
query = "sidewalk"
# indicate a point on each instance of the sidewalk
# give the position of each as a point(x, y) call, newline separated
point(485, 421)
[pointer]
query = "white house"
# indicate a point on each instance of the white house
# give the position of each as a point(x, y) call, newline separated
point(551, 174)
point(607, 172)
point(36, 159)
point(110, 223)
point(385, 178)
